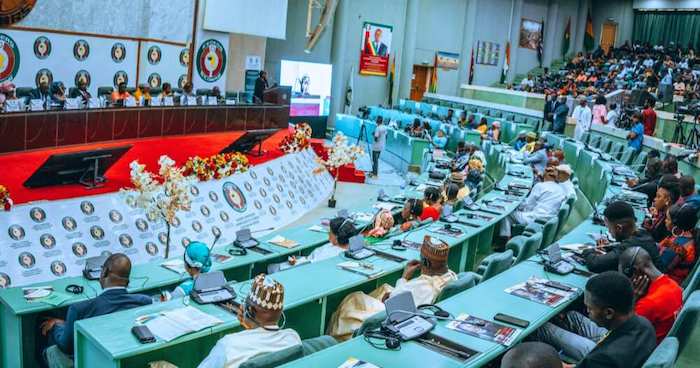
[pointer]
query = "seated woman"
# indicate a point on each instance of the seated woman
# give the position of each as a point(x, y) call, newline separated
point(167, 91)
point(677, 252)
point(434, 275)
point(432, 200)
point(383, 223)
point(341, 229)
point(440, 140)
point(416, 130)
point(411, 213)
point(483, 126)
point(197, 261)
point(666, 195)
point(451, 202)
point(493, 133)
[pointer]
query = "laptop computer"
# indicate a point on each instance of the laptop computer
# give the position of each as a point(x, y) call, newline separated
point(356, 249)
point(211, 287)
point(93, 267)
point(555, 263)
point(244, 239)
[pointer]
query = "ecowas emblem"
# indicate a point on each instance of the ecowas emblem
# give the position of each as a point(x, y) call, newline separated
point(154, 80)
point(42, 47)
point(181, 81)
point(154, 55)
point(185, 57)
point(81, 50)
point(211, 60)
point(9, 58)
point(43, 76)
point(118, 52)
point(82, 76)
point(13, 11)
point(119, 78)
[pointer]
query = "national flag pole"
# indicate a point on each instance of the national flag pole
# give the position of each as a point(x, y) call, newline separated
point(391, 76)
point(588, 39)
point(506, 63)
point(434, 77)
point(567, 39)
point(471, 67)
point(540, 45)
point(348, 92)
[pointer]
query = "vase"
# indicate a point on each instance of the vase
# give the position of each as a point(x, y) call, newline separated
point(331, 201)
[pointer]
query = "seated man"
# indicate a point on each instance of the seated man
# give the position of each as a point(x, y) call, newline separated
point(531, 355)
point(114, 279)
point(538, 158)
point(120, 95)
point(612, 335)
point(686, 185)
point(81, 92)
point(657, 297)
point(259, 316)
point(42, 92)
point(544, 201)
point(434, 275)
point(622, 225)
point(563, 176)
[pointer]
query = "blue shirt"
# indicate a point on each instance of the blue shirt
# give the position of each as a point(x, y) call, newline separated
point(636, 142)
point(440, 142)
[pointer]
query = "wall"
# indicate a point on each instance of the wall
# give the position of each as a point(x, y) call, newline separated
point(620, 12)
point(241, 46)
point(292, 47)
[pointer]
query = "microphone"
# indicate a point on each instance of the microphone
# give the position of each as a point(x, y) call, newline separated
point(261, 230)
point(216, 239)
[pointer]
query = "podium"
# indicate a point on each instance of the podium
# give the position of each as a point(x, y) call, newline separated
point(278, 95)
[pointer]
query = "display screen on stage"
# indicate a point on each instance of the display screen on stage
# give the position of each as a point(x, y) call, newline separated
point(311, 87)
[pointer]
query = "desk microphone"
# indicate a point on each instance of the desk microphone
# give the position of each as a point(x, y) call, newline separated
point(216, 239)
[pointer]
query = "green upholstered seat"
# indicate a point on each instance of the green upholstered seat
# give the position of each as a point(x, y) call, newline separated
point(690, 284)
point(585, 137)
point(627, 156)
point(56, 358)
point(465, 280)
point(594, 141)
point(548, 230)
point(664, 356)
point(524, 246)
point(316, 344)
point(687, 320)
point(23, 91)
point(562, 216)
point(605, 145)
point(102, 91)
point(495, 263)
point(639, 162)
point(616, 149)
point(277, 358)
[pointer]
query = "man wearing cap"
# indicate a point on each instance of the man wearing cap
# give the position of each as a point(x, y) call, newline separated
point(531, 139)
point(434, 275)
point(538, 158)
point(457, 177)
point(543, 202)
point(583, 116)
point(259, 316)
point(622, 225)
point(563, 175)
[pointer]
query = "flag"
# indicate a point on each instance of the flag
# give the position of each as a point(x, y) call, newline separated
point(567, 38)
point(392, 70)
point(588, 39)
point(506, 63)
point(540, 45)
point(369, 47)
point(434, 77)
point(348, 92)
point(471, 68)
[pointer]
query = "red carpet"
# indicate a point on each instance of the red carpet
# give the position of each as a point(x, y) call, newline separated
point(18, 167)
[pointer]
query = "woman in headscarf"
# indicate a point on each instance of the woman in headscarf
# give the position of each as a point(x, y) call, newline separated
point(493, 133)
point(340, 231)
point(197, 261)
point(383, 223)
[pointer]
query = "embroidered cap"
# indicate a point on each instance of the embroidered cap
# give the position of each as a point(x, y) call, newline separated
point(434, 249)
point(267, 293)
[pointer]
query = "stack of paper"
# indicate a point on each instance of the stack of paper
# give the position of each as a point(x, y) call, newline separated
point(176, 265)
point(178, 322)
point(355, 363)
point(362, 268)
point(483, 329)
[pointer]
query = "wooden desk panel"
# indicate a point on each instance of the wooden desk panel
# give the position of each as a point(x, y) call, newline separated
point(32, 130)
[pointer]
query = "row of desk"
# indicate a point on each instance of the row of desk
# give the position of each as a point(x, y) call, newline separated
point(483, 301)
point(108, 340)
point(32, 130)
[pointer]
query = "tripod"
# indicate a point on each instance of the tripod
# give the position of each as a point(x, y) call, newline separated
point(363, 136)
point(679, 132)
point(693, 141)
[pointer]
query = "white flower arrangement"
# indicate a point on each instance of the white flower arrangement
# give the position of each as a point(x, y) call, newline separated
point(341, 153)
point(161, 195)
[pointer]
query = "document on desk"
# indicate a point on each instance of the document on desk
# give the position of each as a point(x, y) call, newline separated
point(176, 265)
point(356, 363)
point(283, 242)
point(361, 268)
point(178, 322)
point(538, 290)
point(483, 329)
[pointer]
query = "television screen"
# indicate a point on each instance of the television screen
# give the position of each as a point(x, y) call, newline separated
point(311, 87)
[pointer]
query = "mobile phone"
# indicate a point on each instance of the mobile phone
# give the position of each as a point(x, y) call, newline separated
point(511, 320)
point(143, 334)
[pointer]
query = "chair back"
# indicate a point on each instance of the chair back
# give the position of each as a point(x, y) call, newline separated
point(465, 280)
point(585, 137)
point(639, 162)
point(23, 92)
point(275, 359)
point(203, 92)
point(687, 320)
point(532, 244)
point(371, 323)
point(101, 91)
point(497, 263)
point(690, 284)
point(517, 245)
point(665, 354)
point(616, 150)
point(562, 216)
point(627, 156)
point(316, 344)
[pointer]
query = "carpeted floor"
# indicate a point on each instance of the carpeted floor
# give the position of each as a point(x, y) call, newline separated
point(18, 167)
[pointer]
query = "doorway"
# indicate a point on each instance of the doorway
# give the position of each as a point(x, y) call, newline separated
point(419, 82)
point(608, 35)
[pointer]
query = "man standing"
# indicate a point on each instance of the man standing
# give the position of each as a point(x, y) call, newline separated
point(635, 136)
point(259, 316)
point(649, 118)
point(260, 87)
point(378, 145)
point(549, 107)
point(583, 116)
point(561, 111)
point(114, 279)
point(657, 297)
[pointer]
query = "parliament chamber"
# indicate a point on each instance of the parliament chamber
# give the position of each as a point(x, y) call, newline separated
point(492, 183)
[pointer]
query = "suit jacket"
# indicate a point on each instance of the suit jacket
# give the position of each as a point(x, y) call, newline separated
point(549, 108)
point(37, 95)
point(109, 301)
point(627, 346)
point(382, 50)
point(260, 86)
point(84, 95)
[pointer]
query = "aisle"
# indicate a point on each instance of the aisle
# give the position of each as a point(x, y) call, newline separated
point(17, 167)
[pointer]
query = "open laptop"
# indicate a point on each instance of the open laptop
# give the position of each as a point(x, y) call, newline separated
point(356, 249)
point(211, 287)
point(93, 267)
point(244, 239)
point(402, 319)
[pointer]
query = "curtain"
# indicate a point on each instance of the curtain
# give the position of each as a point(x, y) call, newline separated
point(663, 27)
